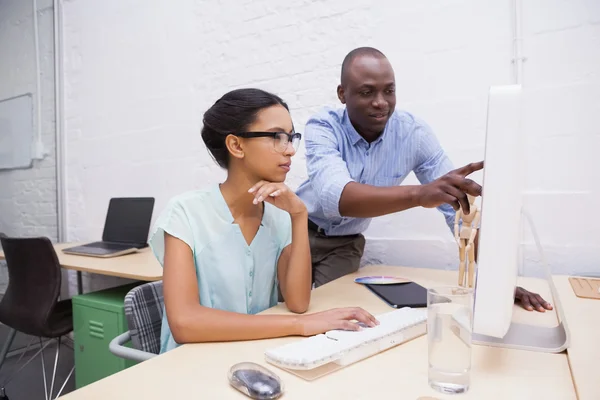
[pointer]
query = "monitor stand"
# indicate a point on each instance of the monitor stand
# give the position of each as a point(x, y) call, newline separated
point(530, 337)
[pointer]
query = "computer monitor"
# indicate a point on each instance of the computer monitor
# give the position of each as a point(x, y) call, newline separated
point(500, 238)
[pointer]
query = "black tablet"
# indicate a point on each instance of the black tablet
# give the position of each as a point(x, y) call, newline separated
point(398, 295)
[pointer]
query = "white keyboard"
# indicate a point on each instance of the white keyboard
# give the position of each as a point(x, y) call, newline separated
point(347, 347)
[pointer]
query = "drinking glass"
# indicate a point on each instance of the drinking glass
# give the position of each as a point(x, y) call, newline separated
point(449, 327)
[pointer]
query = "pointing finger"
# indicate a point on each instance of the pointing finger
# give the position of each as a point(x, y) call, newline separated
point(469, 168)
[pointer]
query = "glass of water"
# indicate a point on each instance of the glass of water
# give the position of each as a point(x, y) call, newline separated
point(449, 325)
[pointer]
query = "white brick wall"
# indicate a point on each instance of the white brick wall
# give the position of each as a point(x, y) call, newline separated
point(28, 196)
point(139, 75)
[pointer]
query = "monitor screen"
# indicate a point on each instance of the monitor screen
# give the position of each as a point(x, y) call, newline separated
point(128, 220)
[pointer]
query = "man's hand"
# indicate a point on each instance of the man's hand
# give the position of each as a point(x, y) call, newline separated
point(451, 188)
point(531, 301)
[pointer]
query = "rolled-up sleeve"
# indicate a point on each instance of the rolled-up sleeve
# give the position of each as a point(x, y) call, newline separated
point(327, 170)
point(432, 163)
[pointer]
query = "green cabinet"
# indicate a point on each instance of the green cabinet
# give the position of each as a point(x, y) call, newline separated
point(98, 317)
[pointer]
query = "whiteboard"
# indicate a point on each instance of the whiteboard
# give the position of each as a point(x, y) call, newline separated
point(16, 132)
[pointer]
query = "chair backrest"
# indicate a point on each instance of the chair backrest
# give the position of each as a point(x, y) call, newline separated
point(144, 306)
point(34, 280)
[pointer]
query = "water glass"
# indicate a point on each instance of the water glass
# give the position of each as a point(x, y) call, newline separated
point(449, 327)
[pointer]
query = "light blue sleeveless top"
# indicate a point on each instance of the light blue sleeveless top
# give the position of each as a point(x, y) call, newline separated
point(232, 275)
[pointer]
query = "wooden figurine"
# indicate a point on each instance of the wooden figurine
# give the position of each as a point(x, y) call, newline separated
point(465, 236)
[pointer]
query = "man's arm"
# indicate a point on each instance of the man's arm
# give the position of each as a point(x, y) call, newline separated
point(327, 171)
point(366, 201)
point(431, 164)
point(341, 196)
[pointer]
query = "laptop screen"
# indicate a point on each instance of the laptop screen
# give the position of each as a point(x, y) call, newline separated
point(128, 220)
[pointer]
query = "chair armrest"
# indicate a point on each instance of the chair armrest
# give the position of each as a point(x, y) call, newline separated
point(116, 347)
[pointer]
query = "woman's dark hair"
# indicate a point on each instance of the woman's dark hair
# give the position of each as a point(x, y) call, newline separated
point(234, 112)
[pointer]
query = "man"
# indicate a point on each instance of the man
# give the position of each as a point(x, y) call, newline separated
point(357, 157)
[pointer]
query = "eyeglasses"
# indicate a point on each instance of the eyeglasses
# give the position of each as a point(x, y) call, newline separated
point(281, 140)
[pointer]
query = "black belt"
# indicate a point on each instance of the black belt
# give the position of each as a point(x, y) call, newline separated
point(314, 227)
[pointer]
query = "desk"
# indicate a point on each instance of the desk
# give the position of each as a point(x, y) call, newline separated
point(141, 266)
point(200, 370)
point(583, 320)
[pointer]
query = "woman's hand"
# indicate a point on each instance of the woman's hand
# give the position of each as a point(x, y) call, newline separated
point(337, 318)
point(279, 195)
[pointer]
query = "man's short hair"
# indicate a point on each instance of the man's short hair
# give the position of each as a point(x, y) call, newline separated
point(360, 51)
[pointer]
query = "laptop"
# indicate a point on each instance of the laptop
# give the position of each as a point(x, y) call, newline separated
point(125, 230)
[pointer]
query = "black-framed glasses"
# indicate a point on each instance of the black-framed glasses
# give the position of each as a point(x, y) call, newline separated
point(281, 140)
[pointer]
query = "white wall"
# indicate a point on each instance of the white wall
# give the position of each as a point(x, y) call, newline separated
point(139, 74)
point(28, 196)
point(562, 72)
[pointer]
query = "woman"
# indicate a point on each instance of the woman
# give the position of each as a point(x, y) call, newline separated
point(227, 248)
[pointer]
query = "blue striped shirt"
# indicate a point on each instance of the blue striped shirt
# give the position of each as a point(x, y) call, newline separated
point(336, 154)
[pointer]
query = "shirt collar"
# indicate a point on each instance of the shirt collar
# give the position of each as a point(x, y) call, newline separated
point(221, 207)
point(355, 137)
point(353, 134)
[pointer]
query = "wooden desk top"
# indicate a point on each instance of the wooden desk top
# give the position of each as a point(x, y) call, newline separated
point(583, 320)
point(139, 266)
point(200, 370)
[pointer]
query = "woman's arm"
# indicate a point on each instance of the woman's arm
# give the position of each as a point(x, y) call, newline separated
point(294, 267)
point(191, 323)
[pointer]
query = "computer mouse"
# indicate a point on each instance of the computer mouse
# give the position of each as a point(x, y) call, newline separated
point(255, 381)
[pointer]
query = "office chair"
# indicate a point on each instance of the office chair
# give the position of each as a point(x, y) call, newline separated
point(31, 303)
point(143, 307)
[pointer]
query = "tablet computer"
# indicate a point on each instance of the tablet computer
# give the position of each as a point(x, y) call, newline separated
point(398, 295)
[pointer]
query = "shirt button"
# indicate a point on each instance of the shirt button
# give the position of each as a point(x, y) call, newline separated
point(363, 181)
point(367, 153)
point(251, 273)
point(248, 252)
point(250, 293)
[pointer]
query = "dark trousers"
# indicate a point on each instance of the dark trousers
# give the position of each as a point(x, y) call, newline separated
point(333, 256)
